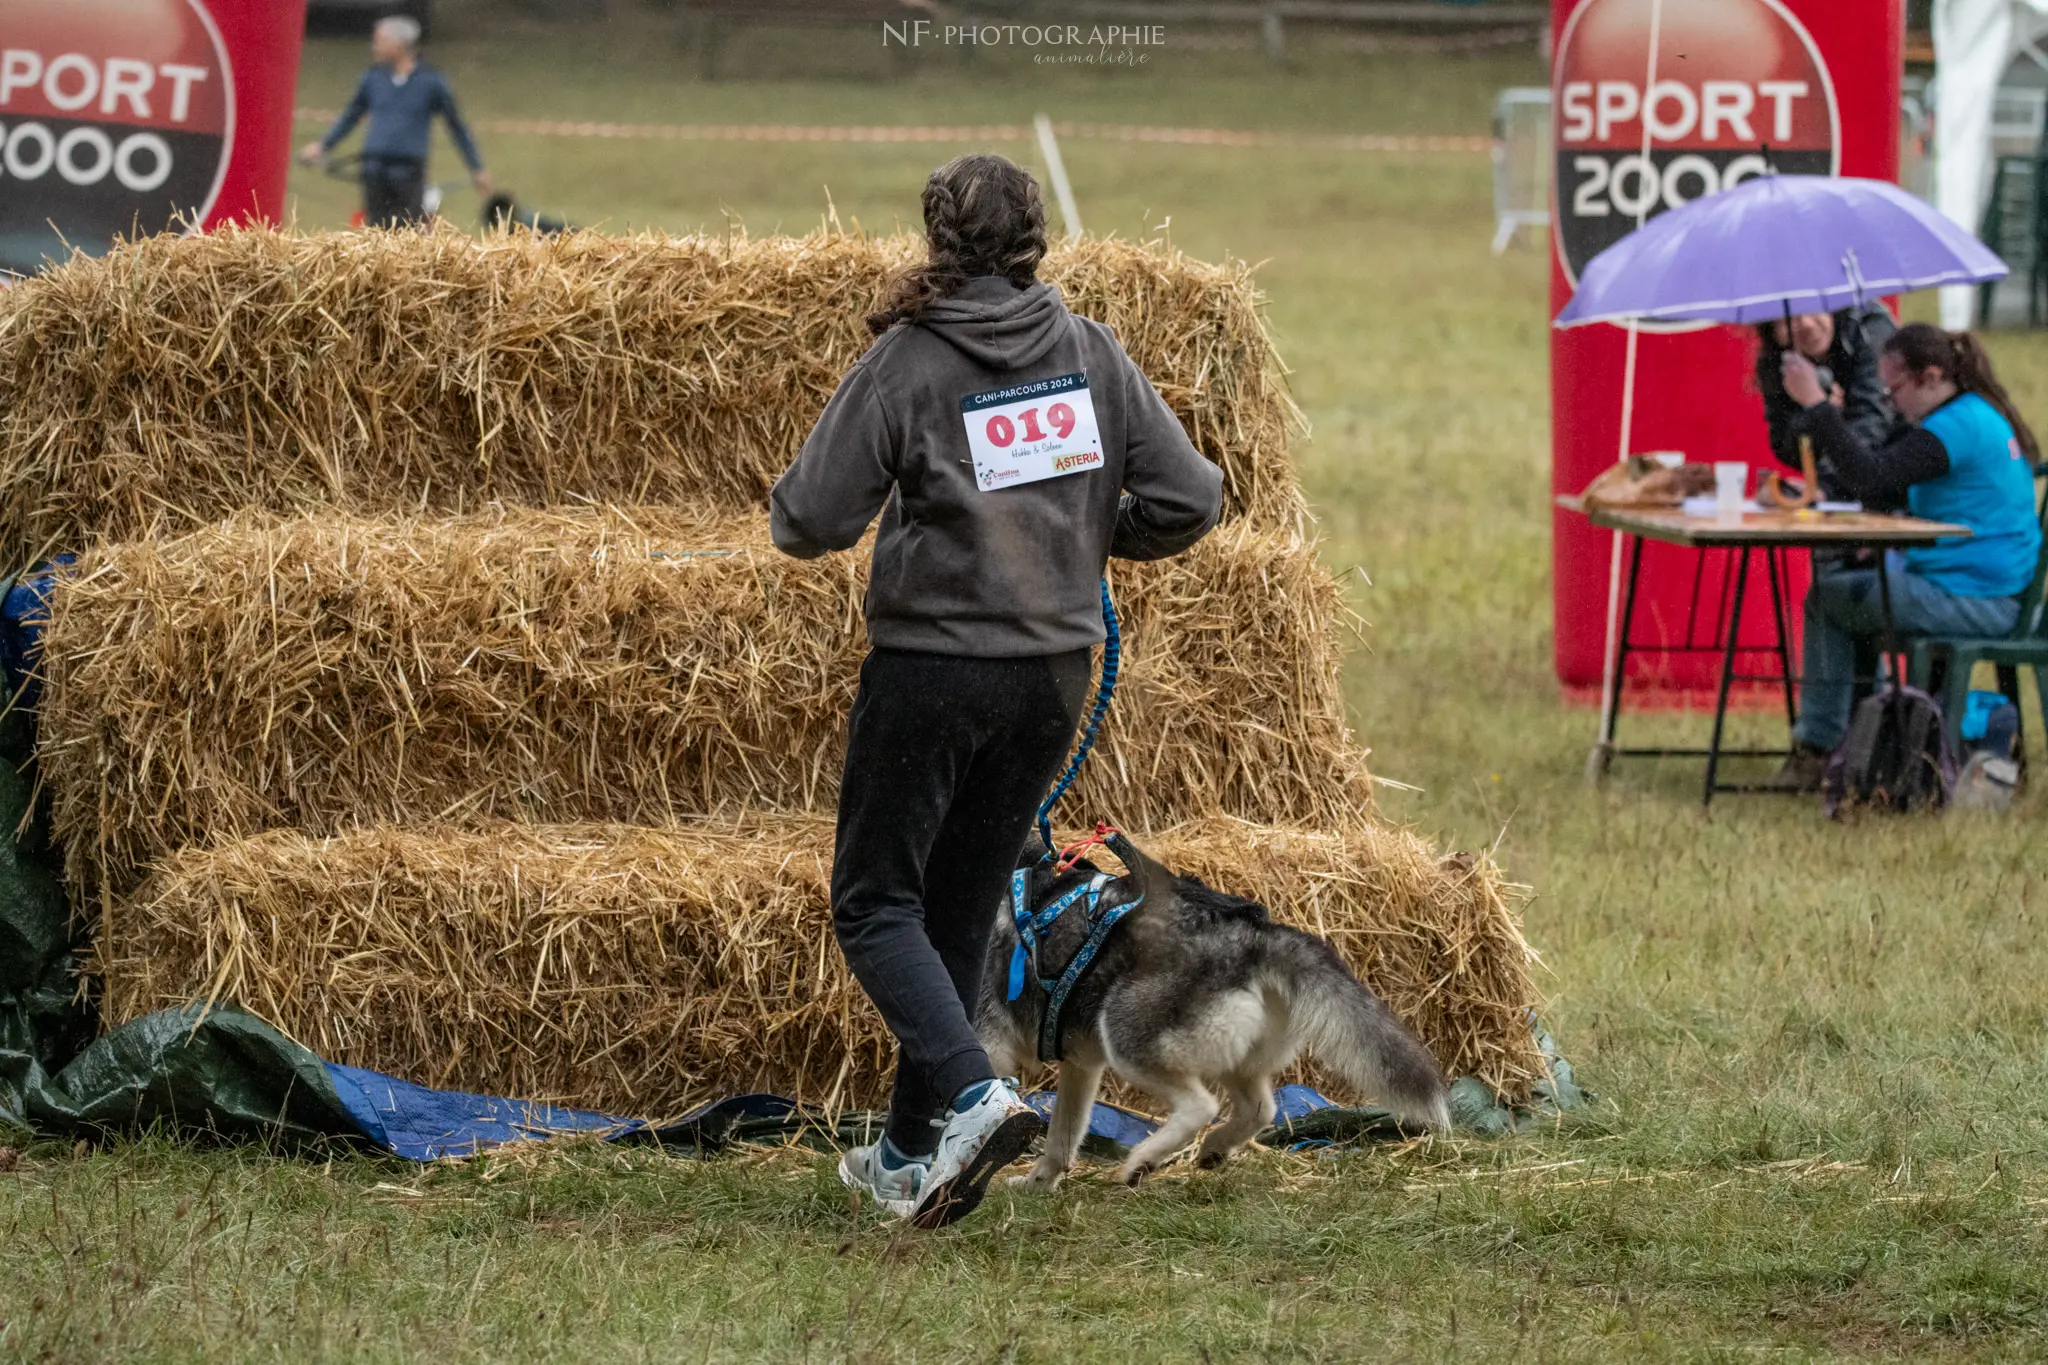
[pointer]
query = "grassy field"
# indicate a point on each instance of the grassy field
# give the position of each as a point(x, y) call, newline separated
point(1820, 1050)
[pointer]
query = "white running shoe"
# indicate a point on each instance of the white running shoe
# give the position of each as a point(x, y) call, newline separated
point(894, 1191)
point(977, 1142)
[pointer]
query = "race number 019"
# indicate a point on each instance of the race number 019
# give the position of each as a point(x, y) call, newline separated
point(1002, 433)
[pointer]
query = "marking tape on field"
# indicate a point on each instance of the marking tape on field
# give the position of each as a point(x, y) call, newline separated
point(991, 132)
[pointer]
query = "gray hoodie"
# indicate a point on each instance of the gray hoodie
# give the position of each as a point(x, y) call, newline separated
point(1004, 571)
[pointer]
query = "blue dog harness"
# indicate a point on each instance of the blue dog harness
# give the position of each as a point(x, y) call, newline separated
point(1031, 930)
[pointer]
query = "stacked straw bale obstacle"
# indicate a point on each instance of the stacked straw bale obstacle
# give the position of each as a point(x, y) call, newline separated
point(426, 681)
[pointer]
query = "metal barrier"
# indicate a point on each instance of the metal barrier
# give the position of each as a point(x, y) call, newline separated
point(1521, 163)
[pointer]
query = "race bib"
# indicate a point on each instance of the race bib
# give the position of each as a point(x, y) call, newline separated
point(1034, 431)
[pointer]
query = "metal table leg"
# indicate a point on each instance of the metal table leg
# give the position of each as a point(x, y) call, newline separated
point(1727, 676)
point(1621, 641)
point(1602, 756)
point(1779, 611)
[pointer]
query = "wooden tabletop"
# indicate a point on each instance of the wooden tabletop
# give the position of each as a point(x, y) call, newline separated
point(1790, 530)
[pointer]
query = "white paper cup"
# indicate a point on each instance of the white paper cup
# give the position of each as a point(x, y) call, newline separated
point(1731, 483)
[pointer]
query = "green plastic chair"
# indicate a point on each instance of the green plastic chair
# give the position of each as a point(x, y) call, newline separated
point(2015, 225)
point(2026, 647)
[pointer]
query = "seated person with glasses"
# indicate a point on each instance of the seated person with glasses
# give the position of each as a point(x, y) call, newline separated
point(1966, 457)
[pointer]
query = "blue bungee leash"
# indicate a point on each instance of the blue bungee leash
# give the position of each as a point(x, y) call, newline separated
point(1111, 651)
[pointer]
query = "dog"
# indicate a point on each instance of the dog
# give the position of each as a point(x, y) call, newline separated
point(1193, 991)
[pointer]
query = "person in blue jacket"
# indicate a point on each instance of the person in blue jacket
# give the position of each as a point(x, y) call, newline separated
point(401, 95)
point(1966, 457)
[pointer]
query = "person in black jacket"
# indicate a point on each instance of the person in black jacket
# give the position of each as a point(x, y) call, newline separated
point(1843, 347)
point(1011, 449)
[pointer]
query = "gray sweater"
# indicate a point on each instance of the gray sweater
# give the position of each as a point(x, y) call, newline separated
point(1009, 571)
point(402, 116)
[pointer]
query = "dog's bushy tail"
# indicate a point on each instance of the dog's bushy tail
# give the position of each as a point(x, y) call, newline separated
point(1351, 1031)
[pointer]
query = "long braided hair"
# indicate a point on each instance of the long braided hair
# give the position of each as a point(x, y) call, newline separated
point(982, 216)
point(1921, 346)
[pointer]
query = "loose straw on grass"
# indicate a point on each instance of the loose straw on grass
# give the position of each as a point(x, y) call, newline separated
point(641, 971)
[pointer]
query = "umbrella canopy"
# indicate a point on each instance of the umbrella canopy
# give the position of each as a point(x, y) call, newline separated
point(1776, 244)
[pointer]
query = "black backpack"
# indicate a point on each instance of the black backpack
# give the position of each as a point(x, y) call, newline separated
point(1896, 757)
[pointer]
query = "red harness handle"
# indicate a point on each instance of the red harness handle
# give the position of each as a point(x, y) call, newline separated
point(1071, 854)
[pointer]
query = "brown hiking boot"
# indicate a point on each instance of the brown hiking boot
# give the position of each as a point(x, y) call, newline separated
point(1802, 772)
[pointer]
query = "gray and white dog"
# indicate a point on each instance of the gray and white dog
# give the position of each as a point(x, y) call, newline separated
point(1194, 991)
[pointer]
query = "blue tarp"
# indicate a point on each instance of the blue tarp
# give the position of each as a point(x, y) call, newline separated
point(424, 1125)
point(222, 1073)
point(24, 611)
point(420, 1124)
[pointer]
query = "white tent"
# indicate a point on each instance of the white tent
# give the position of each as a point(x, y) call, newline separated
point(1975, 41)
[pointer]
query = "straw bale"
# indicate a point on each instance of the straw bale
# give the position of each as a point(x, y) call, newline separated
point(645, 970)
point(177, 380)
point(628, 665)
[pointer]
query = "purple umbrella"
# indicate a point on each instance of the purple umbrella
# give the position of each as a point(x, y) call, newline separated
point(1776, 245)
point(1770, 247)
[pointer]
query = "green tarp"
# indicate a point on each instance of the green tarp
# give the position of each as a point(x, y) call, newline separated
point(226, 1073)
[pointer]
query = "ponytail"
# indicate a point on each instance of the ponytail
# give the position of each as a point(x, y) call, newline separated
point(1922, 346)
point(1973, 374)
point(982, 216)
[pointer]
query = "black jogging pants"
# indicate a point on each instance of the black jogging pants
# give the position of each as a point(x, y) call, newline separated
point(947, 759)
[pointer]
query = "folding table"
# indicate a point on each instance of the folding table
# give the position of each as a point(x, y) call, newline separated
point(1774, 533)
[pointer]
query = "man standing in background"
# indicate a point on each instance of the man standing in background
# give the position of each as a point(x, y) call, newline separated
point(401, 96)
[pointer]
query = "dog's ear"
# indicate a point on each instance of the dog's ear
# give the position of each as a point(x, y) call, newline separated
point(1153, 880)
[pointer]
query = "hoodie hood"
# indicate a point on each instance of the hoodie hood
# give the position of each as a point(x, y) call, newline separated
point(997, 325)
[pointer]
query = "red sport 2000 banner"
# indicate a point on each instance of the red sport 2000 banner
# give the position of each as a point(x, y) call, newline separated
point(137, 116)
point(1805, 86)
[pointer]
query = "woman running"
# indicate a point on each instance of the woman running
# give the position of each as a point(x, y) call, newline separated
point(1011, 449)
